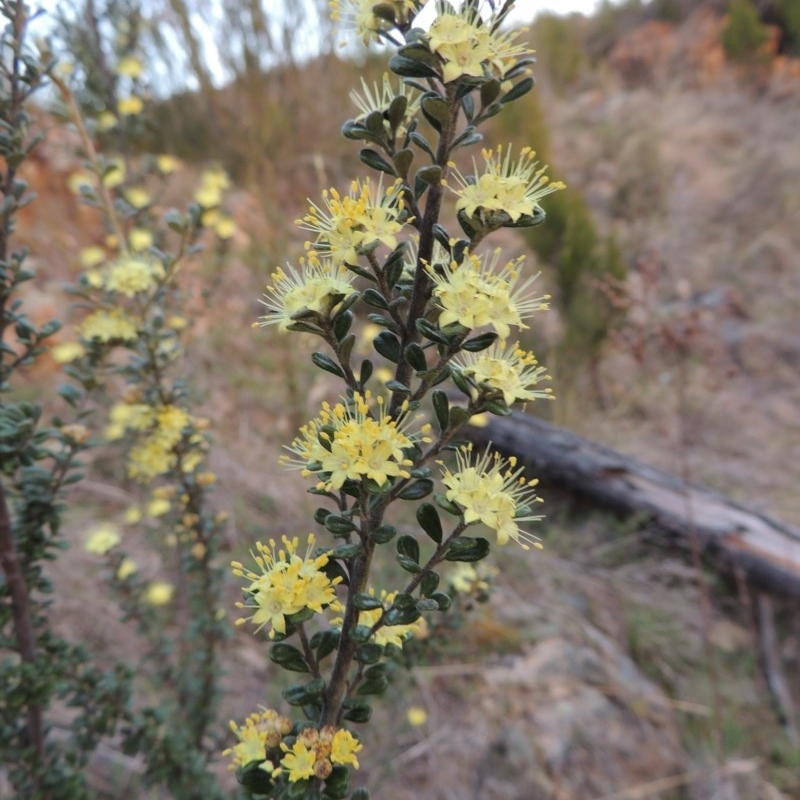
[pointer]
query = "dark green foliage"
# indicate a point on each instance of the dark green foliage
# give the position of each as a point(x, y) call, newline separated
point(744, 36)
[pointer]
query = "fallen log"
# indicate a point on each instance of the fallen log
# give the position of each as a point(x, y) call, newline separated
point(738, 540)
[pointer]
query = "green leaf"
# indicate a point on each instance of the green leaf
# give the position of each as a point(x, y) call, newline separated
point(443, 600)
point(467, 137)
point(441, 407)
point(360, 794)
point(428, 519)
point(326, 363)
point(369, 653)
point(298, 695)
point(490, 91)
point(498, 408)
point(408, 67)
point(372, 297)
point(394, 264)
point(383, 534)
point(435, 110)
point(324, 642)
point(72, 394)
point(408, 546)
point(518, 90)
point(465, 548)
point(409, 565)
point(364, 601)
point(376, 161)
point(397, 111)
point(402, 616)
point(357, 710)
point(430, 331)
point(347, 551)
point(338, 525)
point(429, 583)
point(402, 160)
point(427, 604)
point(360, 633)
point(415, 356)
point(366, 371)
point(342, 324)
point(374, 686)
point(337, 784)
point(288, 657)
point(396, 386)
point(481, 342)
point(346, 348)
point(387, 345)
point(417, 490)
point(421, 142)
point(431, 174)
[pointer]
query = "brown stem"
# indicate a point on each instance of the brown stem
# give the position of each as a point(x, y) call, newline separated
point(23, 622)
point(420, 294)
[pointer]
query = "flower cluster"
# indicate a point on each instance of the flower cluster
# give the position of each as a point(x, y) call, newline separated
point(261, 732)
point(132, 274)
point(360, 16)
point(493, 492)
point(509, 371)
point(358, 222)
point(379, 97)
point(317, 288)
point(350, 442)
point(470, 46)
point(315, 752)
point(505, 188)
point(159, 430)
point(475, 293)
point(287, 584)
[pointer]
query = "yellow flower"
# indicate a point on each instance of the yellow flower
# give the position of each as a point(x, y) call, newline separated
point(475, 293)
point(167, 164)
point(126, 568)
point(319, 287)
point(505, 187)
point(129, 67)
point(350, 442)
point(358, 15)
point(225, 228)
point(158, 507)
point(133, 514)
point(212, 184)
point(299, 761)
point(81, 181)
point(493, 492)
point(130, 275)
point(470, 46)
point(379, 97)
point(260, 732)
point(287, 584)
point(109, 326)
point(344, 747)
point(137, 197)
point(140, 239)
point(130, 106)
point(68, 351)
point(114, 172)
point(471, 579)
point(416, 716)
point(106, 121)
point(356, 223)
point(102, 538)
point(510, 371)
point(159, 593)
point(92, 256)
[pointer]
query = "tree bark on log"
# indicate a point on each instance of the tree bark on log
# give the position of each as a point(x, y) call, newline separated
point(736, 539)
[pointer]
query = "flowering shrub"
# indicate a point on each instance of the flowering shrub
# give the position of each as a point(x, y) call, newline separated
point(439, 310)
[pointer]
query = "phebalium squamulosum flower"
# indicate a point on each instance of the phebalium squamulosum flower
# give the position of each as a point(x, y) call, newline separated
point(315, 752)
point(132, 274)
point(472, 579)
point(475, 293)
point(286, 584)
point(360, 16)
point(318, 287)
point(159, 430)
point(505, 189)
point(469, 45)
point(259, 734)
point(379, 98)
point(502, 369)
point(494, 492)
point(358, 222)
point(350, 441)
point(109, 326)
